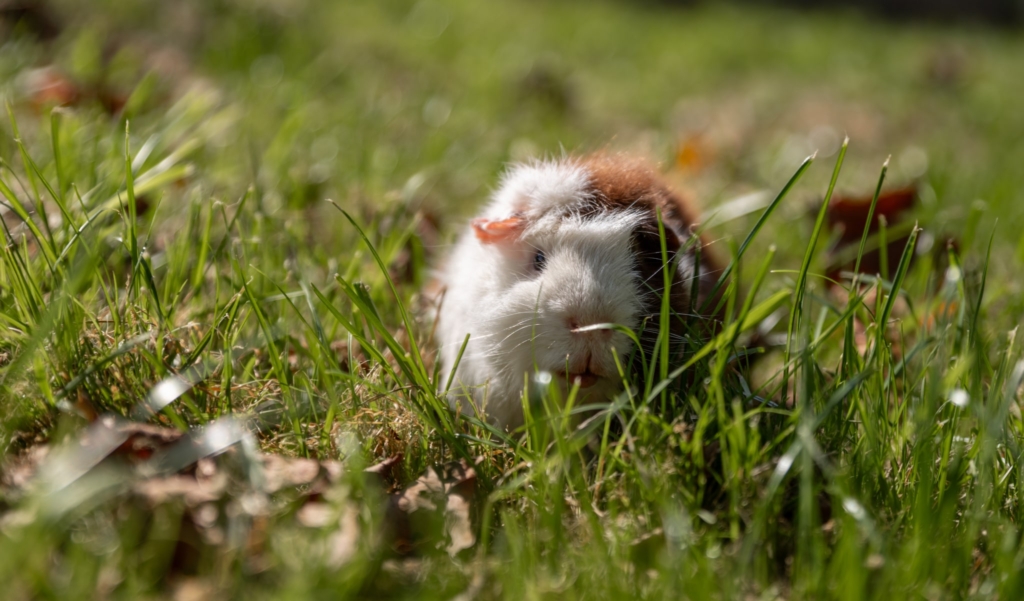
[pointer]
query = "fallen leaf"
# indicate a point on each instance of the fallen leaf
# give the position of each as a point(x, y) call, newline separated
point(194, 492)
point(281, 472)
point(344, 541)
point(848, 215)
point(386, 469)
point(47, 87)
point(221, 482)
point(459, 524)
point(314, 515)
point(436, 509)
point(694, 153)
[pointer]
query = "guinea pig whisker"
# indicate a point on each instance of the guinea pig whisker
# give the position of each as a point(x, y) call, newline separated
point(497, 351)
point(520, 324)
point(530, 321)
point(505, 353)
point(531, 314)
point(514, 325)
point(511, 334)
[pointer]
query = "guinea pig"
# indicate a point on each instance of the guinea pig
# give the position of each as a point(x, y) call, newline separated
point(562, 245)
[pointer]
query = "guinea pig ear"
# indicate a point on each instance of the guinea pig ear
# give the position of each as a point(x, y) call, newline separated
point(492, 231)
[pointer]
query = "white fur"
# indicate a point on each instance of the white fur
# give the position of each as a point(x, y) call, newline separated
point(539, 187)
point(517, 317)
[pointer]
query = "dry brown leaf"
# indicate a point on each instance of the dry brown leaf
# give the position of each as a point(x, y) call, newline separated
point(164, 465)
point(19, 471)
point(848, 215)
point(459, 524)
point(436, 507)
point(195, 589)
point(192, 490)
point(387, 469)
point(694, 153)
point(281, 472)
point(344, 541)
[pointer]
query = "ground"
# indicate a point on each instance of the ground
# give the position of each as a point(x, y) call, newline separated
point(212, 385)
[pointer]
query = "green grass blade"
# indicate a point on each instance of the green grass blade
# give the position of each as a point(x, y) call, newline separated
point(871, 215)
point(756, 229)
point(417, 358)
point(819, 222)
point(45, 242)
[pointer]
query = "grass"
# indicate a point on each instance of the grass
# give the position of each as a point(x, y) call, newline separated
point(179, 254)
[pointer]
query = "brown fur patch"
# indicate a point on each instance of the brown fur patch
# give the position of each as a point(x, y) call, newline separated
point(621, 182)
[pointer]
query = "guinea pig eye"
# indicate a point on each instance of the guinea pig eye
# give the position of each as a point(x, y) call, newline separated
point(539, 260)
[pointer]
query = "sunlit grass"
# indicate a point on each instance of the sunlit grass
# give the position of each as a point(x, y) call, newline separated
point(179, 263)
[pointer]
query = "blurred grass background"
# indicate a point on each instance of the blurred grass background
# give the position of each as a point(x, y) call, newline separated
point(353, 100)
point(405, 113)
point(374, 93)
point(332, 97)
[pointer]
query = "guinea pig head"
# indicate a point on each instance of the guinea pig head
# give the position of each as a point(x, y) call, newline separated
point(567, 274)
point(563, 249)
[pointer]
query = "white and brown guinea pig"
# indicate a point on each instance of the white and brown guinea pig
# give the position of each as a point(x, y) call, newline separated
point(564, 244)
